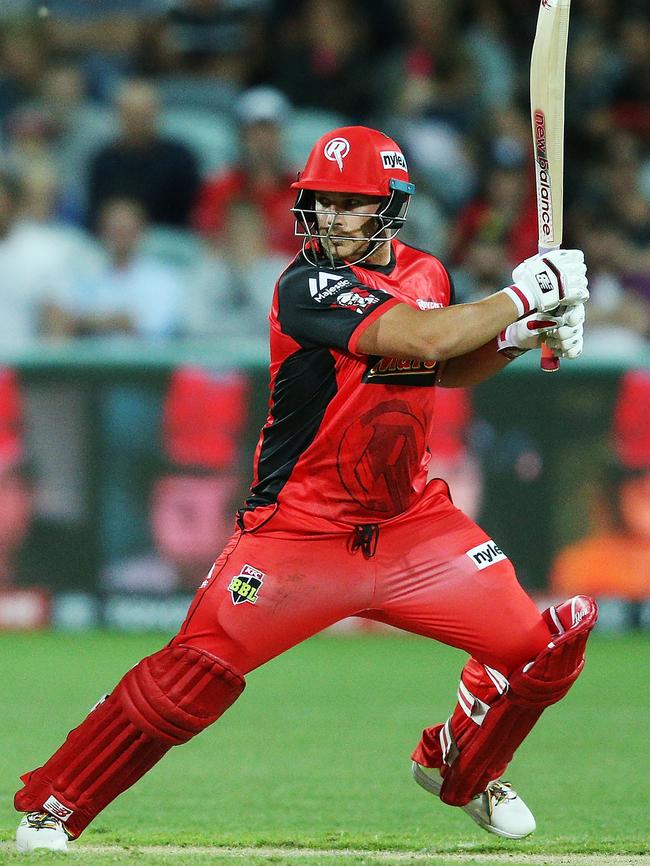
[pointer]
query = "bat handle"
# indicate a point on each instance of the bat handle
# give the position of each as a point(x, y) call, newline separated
point(549, 361)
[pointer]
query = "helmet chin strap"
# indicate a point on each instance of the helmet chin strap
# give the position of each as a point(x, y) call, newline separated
point(327, 243)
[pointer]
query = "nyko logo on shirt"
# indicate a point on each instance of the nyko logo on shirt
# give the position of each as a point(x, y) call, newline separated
point(486, 554)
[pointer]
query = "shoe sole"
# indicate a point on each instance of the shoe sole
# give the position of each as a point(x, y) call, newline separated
point(28, 849)
point(434, 787)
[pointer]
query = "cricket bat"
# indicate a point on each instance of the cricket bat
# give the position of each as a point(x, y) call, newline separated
point(547, 85)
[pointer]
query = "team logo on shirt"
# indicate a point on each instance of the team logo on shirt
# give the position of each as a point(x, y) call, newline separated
point(357, 299)
point(245, 586)
point(380, 453)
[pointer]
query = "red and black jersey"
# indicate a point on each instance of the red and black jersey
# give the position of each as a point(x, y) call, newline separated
point(348, 436)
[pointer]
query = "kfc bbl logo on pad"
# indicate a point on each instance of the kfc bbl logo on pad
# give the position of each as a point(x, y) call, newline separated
point(245, 586)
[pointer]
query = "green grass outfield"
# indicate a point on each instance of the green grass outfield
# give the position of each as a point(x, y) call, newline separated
point(315, 755)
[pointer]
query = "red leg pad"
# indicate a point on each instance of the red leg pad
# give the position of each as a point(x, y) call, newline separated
point(163, 701)
point(478, 759)
point(438, 745)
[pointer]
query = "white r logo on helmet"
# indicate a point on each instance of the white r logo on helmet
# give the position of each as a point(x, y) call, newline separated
point(336, 150)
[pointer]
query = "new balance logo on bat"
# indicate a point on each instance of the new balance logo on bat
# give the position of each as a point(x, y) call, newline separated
point(486, 554)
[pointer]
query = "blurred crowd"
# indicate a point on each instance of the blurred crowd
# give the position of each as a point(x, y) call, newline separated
point(148, 146)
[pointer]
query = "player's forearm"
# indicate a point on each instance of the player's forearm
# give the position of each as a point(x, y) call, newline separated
point(456, 331)
point(472, 368)
point(437, 335)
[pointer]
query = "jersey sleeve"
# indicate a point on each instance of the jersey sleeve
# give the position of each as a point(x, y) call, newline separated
point(317, 307)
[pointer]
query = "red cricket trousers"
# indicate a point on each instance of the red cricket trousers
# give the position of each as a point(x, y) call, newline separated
point(274, 587)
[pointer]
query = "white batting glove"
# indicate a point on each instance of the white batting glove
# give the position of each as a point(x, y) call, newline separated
point(566, 340)
point(545, 282)
point(561, 333)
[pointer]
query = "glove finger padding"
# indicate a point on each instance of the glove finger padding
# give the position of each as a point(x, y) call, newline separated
point(563, 334)
point(566, 338)
point(573, 317)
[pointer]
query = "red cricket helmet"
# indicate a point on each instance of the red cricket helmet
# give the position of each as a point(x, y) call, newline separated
point(354, 159)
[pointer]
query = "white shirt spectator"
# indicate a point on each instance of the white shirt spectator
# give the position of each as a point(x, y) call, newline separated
point(38, 265)
point(147, 292)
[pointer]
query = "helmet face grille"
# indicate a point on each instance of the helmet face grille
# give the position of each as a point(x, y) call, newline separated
point(390, 218)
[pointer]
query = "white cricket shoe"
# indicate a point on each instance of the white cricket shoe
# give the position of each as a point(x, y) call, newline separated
point(41, 830)
point(499, 809)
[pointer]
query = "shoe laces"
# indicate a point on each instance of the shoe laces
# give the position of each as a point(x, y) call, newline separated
point(500, 791)
point(43, 821)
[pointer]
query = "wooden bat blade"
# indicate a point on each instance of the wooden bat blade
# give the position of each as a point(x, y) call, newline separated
point(547, 87)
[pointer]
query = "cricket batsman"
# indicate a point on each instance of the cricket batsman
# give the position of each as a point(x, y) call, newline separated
point(341, 519)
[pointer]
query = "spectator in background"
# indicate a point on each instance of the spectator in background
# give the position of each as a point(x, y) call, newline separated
point(330, 67)
point(435, 77)
point(487, 42)
point(244, 215)
point(207, 38)
point(39, 262)
point(619, 318)
point(159, 173)
point(22, 57)
point(482, 264)
point(260, 181)
point(131, 294)
point(631, 108)
point(80, 128)
point(102, 36)
point(30, 135)
point(503, 214)
point(615, 560)
point(429, 101)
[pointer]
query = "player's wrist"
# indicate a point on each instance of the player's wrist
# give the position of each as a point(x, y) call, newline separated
point(524, 300)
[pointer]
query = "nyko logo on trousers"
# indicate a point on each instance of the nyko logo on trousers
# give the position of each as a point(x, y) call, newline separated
point(486, 554)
